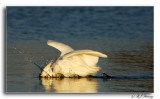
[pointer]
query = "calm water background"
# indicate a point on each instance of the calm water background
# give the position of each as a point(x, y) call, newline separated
point(125, 34)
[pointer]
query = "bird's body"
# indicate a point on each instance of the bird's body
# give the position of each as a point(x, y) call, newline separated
point(72, 62)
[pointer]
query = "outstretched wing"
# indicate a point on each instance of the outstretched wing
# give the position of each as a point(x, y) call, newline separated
point(86, 52)
point(89, 57)
point(60, 46)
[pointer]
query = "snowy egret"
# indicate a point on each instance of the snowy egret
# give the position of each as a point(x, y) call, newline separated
point(72, 63)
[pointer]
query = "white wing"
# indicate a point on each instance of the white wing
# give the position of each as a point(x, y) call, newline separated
point(60, 46)
point(86, 52)
point(89, 57)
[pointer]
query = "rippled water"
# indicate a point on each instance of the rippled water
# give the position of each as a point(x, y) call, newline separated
point(125, 34)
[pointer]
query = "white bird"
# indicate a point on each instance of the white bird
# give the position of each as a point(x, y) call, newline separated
point(72, 62)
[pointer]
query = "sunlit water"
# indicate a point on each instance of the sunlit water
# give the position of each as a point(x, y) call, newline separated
point(125, 34)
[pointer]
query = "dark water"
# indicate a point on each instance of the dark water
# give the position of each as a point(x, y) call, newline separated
point(125, 34)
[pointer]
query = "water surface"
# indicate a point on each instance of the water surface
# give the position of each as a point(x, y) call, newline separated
point(125, 34)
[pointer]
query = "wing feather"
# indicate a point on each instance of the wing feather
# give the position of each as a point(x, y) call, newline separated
point(85, 52)
point(88, 56)
point(60, 46)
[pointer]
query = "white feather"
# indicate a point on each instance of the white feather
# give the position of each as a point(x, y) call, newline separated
point(70, 63)
point(60, 46)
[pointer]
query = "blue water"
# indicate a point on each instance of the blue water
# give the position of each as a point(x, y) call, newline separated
point(125, 34)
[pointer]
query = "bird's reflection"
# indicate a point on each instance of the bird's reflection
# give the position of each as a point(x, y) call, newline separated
point(70, 85)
